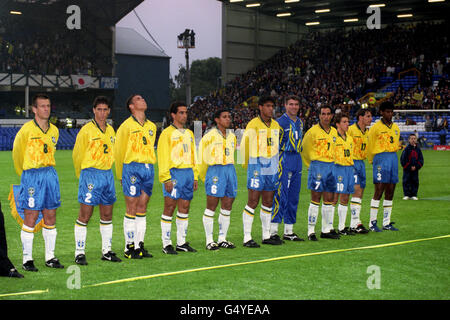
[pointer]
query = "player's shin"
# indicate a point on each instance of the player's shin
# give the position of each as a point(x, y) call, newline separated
point(247, 220)
point(182, 227)
point(27, 236)
point(313, 213)
point(265, 215)
point(80, 231)
point(355, 209)
point(208, 225)
point(106, 232)
point(49, 234)
point(224, 223)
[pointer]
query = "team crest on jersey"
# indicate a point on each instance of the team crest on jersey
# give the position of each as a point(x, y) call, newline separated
point(90, 186)
point(112, 140)
point(174, 182)
point(319, 176)
point(289, 175)
point(215, 180)
point(30, 191)
point(334, 139)
point(255, 173)
point(54, 140)
point(150, 132)
point(340, 178)
point(396, 132)
point(133, 179)
point(379, 168)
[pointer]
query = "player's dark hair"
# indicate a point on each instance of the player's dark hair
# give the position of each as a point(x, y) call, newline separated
point(130, 101)
point(386, 105)
point(218, 113)
point(101, 100)
point(362, 112)
point(39, 96)
point(175, 105)
point(326, 107)
point(292, 97)
point(264, 99)
point(338, 117)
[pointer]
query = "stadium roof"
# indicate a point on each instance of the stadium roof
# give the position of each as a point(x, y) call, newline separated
point(105, 11)
point(128, 41)
point(304, 11)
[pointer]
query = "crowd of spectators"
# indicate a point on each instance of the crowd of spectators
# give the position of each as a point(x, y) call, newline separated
point(337, 68)
point(27, 49)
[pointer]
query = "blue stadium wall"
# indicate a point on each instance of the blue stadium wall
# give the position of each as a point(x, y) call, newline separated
point(148, 76)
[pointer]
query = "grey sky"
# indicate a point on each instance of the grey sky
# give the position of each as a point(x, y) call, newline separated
point(166, 19)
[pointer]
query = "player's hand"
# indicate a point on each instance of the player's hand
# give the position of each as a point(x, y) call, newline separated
point(413, 168)
point(195, 185)
point(120, 181)
point(168, 185)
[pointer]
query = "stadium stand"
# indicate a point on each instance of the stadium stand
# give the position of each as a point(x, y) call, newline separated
point(338, 68)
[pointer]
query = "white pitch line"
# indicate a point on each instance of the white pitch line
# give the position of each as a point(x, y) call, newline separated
point(263, 260)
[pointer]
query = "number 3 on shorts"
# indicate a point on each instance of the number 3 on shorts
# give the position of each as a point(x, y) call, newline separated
point(379, 176)
point(133, 190)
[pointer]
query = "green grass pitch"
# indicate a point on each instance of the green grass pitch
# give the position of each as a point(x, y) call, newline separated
point(405, 270)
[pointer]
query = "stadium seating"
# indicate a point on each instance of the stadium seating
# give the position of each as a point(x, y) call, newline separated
point(66, 140)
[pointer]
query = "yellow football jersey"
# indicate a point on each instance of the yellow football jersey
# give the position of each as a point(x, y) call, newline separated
point(93, 148)
point(383, 138)
point(135, 142)
point(176, 149)
point(343, 150)
point(318, 144)
point(215, 149)
point(260, 140)
point(33, 148)
point(360, 141)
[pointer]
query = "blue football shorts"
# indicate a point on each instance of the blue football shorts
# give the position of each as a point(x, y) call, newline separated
point(320, 177)
point(39, 189)
point(137, 177)
point(96, 187)
point(345, 180)
point(385, 168)
point(221, 181)
point(262, 174)
point(183, 184)
point(359, 173)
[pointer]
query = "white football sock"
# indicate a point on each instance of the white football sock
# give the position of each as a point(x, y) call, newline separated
point(141, 228)
point(313, 213)
point(49, 234)
point(342, 214)
point(80, 231)
point(247, 219)
point(208, 224)
point(387, 210)
point(166, 227)
point(27, 236)
point(182, 227)
point(288, 228)
point(265, 215)
point(355, 209)
point(106, 231)
point(327, 217)
point(374, 205)
point(224, 223)
point(129, 229)
point(273, 228)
